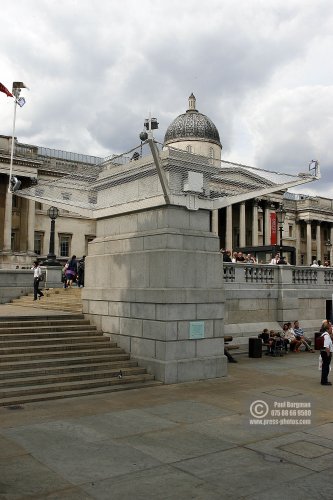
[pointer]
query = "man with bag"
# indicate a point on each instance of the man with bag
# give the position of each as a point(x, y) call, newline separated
point(326, 356)
point(37, 278)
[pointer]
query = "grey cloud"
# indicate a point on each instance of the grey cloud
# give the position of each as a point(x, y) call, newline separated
point(96, 69)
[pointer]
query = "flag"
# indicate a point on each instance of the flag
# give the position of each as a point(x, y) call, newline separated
point(5, 91)
point(19, 85)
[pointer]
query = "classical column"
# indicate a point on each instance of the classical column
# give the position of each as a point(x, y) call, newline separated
point(267, 223)
point(255, 223)
point(308, 243)
point(228, 221)
point(330, 250)
point(298, 243)
point(31, 227)
point(242, 230)
point(215, 222)
point(7, 233)
point(318, 242)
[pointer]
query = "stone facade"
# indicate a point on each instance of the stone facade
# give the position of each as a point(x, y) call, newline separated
point(24, 224)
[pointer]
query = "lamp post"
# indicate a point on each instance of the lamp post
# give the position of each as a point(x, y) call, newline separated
point(281, 215)
point(51, 260)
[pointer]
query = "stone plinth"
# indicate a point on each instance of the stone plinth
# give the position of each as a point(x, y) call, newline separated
point(154, 283)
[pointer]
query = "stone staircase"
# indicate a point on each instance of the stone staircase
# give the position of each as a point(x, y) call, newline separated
point(61, 299)
point(53, 357)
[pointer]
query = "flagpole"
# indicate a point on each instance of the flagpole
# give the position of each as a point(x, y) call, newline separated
point(12, 145)
point(17, 86)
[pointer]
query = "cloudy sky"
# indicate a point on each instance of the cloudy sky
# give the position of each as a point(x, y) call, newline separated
point(260, 69)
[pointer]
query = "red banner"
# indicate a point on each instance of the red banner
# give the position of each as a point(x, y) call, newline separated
point(5, 90)
point(273, 229)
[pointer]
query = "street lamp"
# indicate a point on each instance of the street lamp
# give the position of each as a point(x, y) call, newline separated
point(53, 213)
point(281, 215)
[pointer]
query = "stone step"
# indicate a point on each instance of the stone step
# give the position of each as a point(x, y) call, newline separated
point(49, 340)
point(61, 378)
point(105, 344)
point(34, 398)
point(37, 370)
point(49, 300)
point(23, 356)
point(34, 325)
point(56, 336)
point(61, 356)
point(54, 299)
point(71, 386)
point(40, 303)
point(58, 362)
point(10, 320)
point(46, 329)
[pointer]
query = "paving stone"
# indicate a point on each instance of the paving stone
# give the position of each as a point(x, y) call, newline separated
point(164, 483)
point(176, 444)
point(311, 487)
point(240, 471)
point(298, 448)
point(24, 476)
point(186, 411)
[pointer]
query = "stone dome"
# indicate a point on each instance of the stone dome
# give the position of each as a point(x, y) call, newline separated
point(192, 125)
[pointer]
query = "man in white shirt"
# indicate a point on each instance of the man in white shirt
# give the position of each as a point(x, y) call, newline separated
point(326, 356)
point(37, 278)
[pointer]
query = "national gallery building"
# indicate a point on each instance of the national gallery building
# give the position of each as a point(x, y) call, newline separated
point(251, 226)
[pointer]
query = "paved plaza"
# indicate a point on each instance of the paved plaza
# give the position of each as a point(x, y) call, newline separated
point(263, 432)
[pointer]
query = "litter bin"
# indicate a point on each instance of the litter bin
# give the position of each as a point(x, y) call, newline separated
point(255, 348)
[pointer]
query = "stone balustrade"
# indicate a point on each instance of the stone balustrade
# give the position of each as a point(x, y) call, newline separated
point(265, 296)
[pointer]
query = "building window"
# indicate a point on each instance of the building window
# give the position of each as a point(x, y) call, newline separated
point(290, 231)
point(38, 206)
point(303, 232)
point(38, 244)
point(89, 238)
point(65, 244)
point(302, 259)
point(313, 232)
point(260, 225)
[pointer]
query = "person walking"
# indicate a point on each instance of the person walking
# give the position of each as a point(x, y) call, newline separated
point(326, 356)
point(71, 271)
point(37, 278)
point(80, 272)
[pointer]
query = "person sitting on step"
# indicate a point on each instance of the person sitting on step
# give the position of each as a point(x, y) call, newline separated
point(299, 334)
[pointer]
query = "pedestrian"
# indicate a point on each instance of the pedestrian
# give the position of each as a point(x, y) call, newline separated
point(37, 278)
point(71, 271)
point(326, 356)
point(80, 272)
